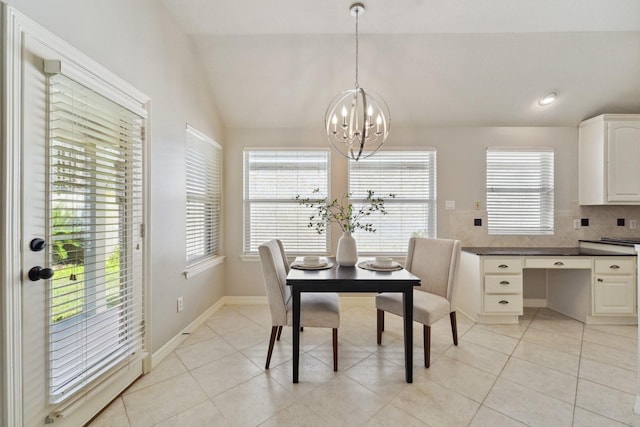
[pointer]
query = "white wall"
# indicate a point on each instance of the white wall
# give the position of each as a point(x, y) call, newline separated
point(461, 177)
point(140, 42)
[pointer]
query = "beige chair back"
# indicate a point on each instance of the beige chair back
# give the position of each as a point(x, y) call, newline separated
point(274, 270)
point(435, 262)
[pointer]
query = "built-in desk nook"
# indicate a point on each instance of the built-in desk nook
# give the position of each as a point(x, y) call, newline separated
point(586, 283)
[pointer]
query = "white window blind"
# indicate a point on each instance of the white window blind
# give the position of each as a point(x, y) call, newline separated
point(204, 189)
point(411, 176)
point(520, 191)
point(95, 205)
point(272, 178)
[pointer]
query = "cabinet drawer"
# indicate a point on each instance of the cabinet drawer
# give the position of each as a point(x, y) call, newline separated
point(561, 262)
point(615, 266)
point(503, 265)
point(503, 284)
point(503, 304)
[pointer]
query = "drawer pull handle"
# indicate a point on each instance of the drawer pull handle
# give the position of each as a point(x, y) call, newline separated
point(503, 301)
point(558, 263)
point(600, 280)
point(503, 266)
point(504, 282)
point(614, 267)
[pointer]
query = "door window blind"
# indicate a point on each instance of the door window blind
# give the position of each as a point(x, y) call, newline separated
point(95, 206)
point(204, 191)
point(520, 191)
point(411, 176)
point(272, 178)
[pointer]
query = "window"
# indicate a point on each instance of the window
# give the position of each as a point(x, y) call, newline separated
point(520, 191)
point(411, 176)
point(203, 196)
point(272, 178)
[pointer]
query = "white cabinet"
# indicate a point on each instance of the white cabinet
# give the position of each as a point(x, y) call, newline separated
point(594, 289)
point(608, 159)
point(502, 285)
point(614, 286)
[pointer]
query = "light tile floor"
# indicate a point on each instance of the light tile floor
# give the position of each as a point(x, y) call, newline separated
point(549, 370)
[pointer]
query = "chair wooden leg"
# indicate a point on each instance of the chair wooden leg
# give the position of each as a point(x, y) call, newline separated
point(426, 330)
point(380, 325)
point(274, 332)
point(454, 327)
point(279, 332)
point(335, 349)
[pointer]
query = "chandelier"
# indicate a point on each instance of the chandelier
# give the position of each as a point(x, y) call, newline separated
point(357, 120)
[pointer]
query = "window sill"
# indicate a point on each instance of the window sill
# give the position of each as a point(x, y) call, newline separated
point(202, 266)
point(256, 258)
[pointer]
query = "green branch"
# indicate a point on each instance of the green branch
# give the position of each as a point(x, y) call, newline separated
point(341, 211)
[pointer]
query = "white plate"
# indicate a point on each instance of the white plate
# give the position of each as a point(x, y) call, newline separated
point(392, 265)
point(321, 266)
point(370, 265)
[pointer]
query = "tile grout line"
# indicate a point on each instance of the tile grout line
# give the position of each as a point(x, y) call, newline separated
point(500, 374)
point(575, 397)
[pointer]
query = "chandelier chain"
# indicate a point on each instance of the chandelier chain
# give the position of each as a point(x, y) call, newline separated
point(357, 10)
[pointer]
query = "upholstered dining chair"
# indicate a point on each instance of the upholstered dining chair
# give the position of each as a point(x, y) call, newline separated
point(435, 262)
point(316, 309)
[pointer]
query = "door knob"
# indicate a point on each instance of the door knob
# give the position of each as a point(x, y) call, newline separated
point(37, 273)
point(37, 244)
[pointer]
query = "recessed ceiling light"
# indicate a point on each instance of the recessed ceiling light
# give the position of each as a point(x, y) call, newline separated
point(548, 99)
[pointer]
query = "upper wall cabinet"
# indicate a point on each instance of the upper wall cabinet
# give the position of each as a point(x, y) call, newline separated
point(609, 160)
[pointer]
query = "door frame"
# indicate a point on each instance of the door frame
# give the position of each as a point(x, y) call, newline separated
point(14, 26)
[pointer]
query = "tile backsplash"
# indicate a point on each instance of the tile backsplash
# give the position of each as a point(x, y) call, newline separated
point(603, 222)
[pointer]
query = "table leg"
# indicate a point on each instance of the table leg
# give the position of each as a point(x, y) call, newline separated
point(296, 331)
point(407, 301)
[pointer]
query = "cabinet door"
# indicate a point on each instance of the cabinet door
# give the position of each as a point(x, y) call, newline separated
point(614, 294)
point(623, 151)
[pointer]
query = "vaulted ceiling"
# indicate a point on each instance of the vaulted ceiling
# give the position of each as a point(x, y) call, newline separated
point(278, 63)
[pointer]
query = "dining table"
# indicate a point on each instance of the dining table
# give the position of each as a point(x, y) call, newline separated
point(335, 278)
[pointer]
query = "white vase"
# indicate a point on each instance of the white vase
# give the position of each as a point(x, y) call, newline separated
point(347, 255)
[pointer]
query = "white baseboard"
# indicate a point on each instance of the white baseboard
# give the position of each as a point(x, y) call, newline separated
point(255, 300)
point(611, 320)
point(458, 311)
point(535, 302)
point(174, 342)
point(358, 299)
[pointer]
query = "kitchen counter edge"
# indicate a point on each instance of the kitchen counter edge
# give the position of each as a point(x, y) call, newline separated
point(541, 251)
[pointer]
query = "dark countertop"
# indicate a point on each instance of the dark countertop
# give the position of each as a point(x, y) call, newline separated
point(609, 242)
point(534, 251)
